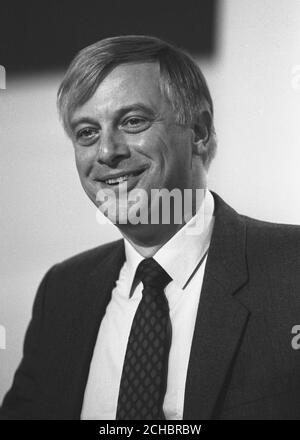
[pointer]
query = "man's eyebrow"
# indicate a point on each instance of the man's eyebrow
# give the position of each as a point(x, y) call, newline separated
point(118, 113)
point(82, 120)
point(136, 107)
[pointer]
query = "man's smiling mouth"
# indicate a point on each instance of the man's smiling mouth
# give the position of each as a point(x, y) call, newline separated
point(118, 178)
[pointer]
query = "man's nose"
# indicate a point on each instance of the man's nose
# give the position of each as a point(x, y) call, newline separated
point(112, 148)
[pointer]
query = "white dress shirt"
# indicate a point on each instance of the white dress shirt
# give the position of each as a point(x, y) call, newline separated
point(179, 257)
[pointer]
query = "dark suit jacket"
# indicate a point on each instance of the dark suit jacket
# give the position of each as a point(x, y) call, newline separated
point(242, 362)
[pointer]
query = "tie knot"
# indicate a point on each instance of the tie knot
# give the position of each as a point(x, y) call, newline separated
point(152, 274)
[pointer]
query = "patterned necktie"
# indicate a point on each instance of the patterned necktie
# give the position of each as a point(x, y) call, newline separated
point(144, 376)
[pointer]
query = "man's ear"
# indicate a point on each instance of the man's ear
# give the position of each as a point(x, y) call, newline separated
point(201, 132)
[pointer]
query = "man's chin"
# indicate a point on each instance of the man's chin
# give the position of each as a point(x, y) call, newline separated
point(130, 214)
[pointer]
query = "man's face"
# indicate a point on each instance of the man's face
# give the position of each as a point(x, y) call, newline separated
point(126, 137)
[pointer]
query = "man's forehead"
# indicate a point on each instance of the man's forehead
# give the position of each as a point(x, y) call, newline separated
point(126, 84)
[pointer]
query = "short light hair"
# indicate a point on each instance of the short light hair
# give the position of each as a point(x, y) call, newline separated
point(181, 80)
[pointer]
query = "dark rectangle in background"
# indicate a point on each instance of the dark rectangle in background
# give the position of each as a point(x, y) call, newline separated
point(44, 35)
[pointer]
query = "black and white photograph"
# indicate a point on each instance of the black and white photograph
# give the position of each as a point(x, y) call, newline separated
point(150, 212)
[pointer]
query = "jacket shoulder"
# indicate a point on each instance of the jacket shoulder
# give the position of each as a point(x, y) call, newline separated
point(259, 233)
point(85, 261)
point(280, 232)
point(273, 245)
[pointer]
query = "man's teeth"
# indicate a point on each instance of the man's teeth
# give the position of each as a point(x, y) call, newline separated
point(118, 180)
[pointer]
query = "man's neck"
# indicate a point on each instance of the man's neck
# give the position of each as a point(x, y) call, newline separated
point(148, 242)
point(147, 239)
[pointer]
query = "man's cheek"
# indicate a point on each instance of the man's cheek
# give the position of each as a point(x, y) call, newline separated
point(83, 164)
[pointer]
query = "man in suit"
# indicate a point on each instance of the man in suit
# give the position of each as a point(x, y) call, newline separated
point(219, 324)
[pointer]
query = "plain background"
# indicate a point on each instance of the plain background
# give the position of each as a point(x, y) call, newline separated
point(46, 217)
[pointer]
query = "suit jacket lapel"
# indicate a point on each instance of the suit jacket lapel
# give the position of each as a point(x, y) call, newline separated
point(89, 313)
point(221, 318)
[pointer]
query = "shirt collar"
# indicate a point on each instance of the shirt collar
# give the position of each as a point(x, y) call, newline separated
point(180, 255)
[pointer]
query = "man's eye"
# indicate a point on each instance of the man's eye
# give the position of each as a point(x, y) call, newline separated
point(136, 124)
point(86, 136)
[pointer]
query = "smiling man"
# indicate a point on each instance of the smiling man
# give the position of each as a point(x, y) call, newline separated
point(134, 134)
point(173, 321)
